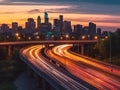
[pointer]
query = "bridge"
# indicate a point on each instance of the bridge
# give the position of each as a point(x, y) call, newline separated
point(49, 42)
point(84, 68)
point(26, 43)
point(48, 73)
point(43, 70)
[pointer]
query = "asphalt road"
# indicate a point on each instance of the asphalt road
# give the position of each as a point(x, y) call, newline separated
point(32, 55)
point(101, 75)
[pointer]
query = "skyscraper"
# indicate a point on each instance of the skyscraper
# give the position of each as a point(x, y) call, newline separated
point(99, 31)
point(67, 27)
point(30, 25)
point(56, 26)
point(61, 18)
point(92, 29)
point(38, 22)
point(78, 29)
point(46, 18)
point(4, 28)
point(14, 26)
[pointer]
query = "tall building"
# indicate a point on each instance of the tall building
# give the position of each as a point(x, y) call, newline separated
point(61, 18)
point(46, 18)
point(14, 26)
point(67, 27)
point(4, 28)
point(99, 31)
point(30, 25)
point(78, 29)
point(55, 22)
point(44, 28)
point(56, 26)
point(105, 33)
point(61, 23)
point(38, 22)
point(85, 30)
point(92, 29)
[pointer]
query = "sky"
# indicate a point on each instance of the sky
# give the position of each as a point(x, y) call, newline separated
point(105, 13)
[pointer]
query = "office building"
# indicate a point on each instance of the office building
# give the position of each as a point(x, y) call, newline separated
point(4, 28)
point(46, 18)
point(38, 22)
point(92, 29)
point(99, 31)
point(67, 27)
point(14, 27)
point(61, 18)
point(30, 25)
point(78, 29)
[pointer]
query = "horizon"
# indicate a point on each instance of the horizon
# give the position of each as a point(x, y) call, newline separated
point(104, 15)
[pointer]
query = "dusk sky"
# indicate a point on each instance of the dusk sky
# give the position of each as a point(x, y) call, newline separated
point(105, 13)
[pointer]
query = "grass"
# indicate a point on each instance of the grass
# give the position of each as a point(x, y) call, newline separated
point(7, 86)
point(7, 74)
point(9, 68)
point(115, 60)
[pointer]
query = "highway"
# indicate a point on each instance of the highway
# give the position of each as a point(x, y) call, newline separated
point(48, 42)
point(101, 75)
point(32, 55)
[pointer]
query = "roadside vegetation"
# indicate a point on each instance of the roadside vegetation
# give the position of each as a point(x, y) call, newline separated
point(101, 51)
point(102, 48)
point(9, 69)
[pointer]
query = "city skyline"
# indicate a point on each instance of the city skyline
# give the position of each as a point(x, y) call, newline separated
point(106, 16)
point(60, 29)
point(60, 44)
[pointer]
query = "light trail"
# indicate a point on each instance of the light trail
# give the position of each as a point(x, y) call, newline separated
point(32, 54)
point(89, 74)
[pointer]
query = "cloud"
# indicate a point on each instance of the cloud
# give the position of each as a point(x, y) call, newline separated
point(34, 11)
point(100, 20)
point(88, 9)
point(116, 2)
point(8, 12)
point(107, 7)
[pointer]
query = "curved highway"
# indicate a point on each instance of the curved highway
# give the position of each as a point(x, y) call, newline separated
point(94, 72)
point(33, 56)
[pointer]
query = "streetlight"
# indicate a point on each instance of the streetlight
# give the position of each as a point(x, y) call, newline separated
point(29, 38)
point(109, 39)
point(95, 37)
point(110, 52)
point(61, 38)
point(37, 37)
point(110, 48)
point(83, 37)
point(52, 37)
point(106, 37)
point(73, 37)
point(19, 38)
point(17, 34)
point(67, 36)
point(88, 36)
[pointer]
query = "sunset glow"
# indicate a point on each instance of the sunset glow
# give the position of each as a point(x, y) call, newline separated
point(20, 13)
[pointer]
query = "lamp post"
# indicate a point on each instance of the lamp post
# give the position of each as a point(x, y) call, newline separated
point(17, 35)
point(83, 37)
point(109, 38)
point(110, 51)
point(67, 36)
point(95, 37)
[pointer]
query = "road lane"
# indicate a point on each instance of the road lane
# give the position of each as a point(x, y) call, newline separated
point(96, 78)
point(32, 54)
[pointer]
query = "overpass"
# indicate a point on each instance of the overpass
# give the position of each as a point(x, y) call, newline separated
point(49, 42)
point(45, 71)
point(25, 43)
